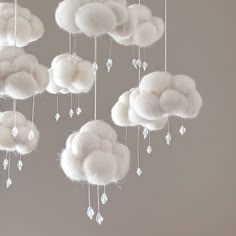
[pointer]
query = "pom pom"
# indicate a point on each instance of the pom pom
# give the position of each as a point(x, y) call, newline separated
point(94, 155)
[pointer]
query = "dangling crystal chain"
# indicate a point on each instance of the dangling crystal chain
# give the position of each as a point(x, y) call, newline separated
point(31, 133)
point(9, 181)
point(109, 63)
point(15, 26)
point(99, 217)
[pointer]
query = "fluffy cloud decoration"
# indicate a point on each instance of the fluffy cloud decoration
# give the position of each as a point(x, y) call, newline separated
point(29, 27)
point(159, 95)
point(140, 29)
point(124, 113)
point(94, 155)
point(91, 17)
point(21, 143)
point(70, 74)
point(21, 75)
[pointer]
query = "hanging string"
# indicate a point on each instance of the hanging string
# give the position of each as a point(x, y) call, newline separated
point(126, 135)
point(70, 43)
point(9, 181)
point(165, 35)
point(14, 111)
point(15, 26)
point(98, 198)
point(89, 195)
point(95, 68)
point(33, 110)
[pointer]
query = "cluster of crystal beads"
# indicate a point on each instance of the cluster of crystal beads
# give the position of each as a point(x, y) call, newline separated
point(109, 64)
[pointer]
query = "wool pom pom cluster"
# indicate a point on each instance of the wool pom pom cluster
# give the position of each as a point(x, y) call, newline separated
point(70, 74)
point(133, 25)
point(29, 27)
point(94, 155)
point(158, 96)
point(21, 143)
point(21, 75)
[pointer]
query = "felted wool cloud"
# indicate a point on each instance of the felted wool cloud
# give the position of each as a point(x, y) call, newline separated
point(21, 143)
point(21, 75)
point(29, 27)
point(141, 27)
point(124, 113)
point(94, 155)
point(91, 17)
point(70, 74)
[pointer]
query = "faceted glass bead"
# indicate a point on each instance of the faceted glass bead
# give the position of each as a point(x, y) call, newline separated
point(8, 183)
point(139, 63)
point(90, 212)
point(145, 66)
point(71, 113)
point(145, 133)
point(99, 218)
point(139, 172)
point(5, 164)
point(149, 149)
point(182, 130)
point(104, 198)
point(78, 111)
point(95, 67)
point(134, 63)
point(20, 165)
point(57, 117)
point(31, 135)
point(168, 138)
point(14, 132)
point(109, 64)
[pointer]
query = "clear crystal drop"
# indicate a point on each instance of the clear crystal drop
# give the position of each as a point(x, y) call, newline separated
point(109, 64)
point(8, 183)
point(149, 149)
point(104, 198)
point(182, 130)
point(139, 172)
point(145, 66)
point(95, 67)
point(78, 111)
point(14, 131)
point(145, 133)
point(90, 212)
point(5, 164)
point(57, 117)
point(31, 135)
point(168, 138)
point(71, 113)
point(139, 63)
point(99, 218)
point(20, 165)
point(134, 63)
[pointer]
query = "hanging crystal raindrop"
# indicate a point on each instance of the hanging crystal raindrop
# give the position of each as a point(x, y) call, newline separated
point(99, 218)
point(90, 213)
point(104, 198)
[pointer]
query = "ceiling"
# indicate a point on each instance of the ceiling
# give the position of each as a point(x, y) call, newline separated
point(187, 189)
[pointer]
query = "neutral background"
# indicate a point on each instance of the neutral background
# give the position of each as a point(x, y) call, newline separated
point(187, 189)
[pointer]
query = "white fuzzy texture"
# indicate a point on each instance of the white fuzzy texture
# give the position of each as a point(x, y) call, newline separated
point(29, 27)
point(159, 95)
point(141, 28)
point(91, 17)
point(21, 75)
point(20, 143)
point(70, 74)
point(94, 155)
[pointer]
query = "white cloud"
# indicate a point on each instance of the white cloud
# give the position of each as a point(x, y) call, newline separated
point(21, 75)
point(70, 74)
point(159, 95)
point(29, 27)
point(91, 17)
point(141, 27)
point(21, 143)
point(94, 155)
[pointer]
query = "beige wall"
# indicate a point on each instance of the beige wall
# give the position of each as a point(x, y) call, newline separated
point(187, 189)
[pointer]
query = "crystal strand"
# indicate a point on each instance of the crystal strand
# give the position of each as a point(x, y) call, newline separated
point(145, 133)
point(5, 162)
point(168, 135)
point(14, 129)
point(165, 35)
point(95, 69)
point(78, 110)
point(126, 135)
point(109, 63)
point(182, 129)
point(145, 64)
point(31, 133)
point(20, 164)
point(149, 149)
point(70, 43)
point(15, 24)
point(71, 112)
point(99, 217)
point(9, 181)
point(139, 170)
point(104, 197)
point(90, 211)
point(57, 116)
